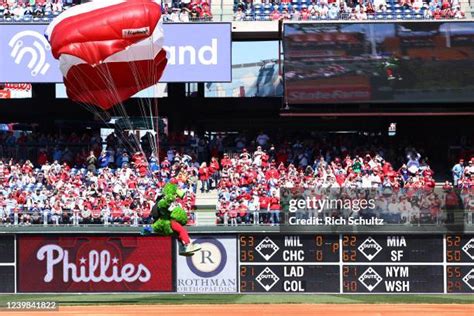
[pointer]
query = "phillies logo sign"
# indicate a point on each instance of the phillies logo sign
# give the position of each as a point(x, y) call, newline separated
point(55, 263)
point(98, 267)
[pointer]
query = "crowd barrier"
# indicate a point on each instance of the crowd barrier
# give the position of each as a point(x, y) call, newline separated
point(238, 263)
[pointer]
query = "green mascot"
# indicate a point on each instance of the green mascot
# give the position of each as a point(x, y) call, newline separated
point(392, 68)
point(169, 219)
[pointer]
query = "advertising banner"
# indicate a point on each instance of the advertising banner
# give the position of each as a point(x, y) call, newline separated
point(213, 269)
point(307, 93)
point(15, 91)
point(203, 57)
point(94, 264)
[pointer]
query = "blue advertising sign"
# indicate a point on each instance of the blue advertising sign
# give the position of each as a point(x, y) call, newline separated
point(203, 57)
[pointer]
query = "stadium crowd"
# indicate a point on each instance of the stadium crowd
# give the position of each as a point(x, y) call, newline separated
point(463, 173)
point(19, 10)
point(82, 179)
point(186, 11)
point(200, 10)
point(46, 10)
point(307, 10)
point(110, 186)
point(463, 180)
point(250, 181)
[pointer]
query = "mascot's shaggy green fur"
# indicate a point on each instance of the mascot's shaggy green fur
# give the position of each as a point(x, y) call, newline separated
point(170, 219)
point(166, 210)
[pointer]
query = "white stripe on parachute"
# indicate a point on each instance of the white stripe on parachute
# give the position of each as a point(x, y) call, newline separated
point(80, 9)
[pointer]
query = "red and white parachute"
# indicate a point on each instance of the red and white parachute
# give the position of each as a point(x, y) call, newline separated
point(108, 49)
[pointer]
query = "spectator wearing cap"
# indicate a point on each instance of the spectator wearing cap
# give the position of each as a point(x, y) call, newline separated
point(239, 15)
point(184, 15)
point(413, 158)
point(174, 14)
point(469, 170)
point(104, 159)
point(458, 171)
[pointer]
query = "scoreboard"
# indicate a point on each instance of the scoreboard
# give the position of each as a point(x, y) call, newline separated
point(7, 264)
point(346, 263)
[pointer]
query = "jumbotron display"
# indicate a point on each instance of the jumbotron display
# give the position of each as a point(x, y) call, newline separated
point(349, 263)
point(379, 62)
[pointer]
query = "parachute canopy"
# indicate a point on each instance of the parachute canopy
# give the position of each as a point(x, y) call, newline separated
point(108, 49)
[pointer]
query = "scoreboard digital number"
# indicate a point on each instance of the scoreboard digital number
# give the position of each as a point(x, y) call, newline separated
point(460, 263)
point(392, 248)
point(289, 248)
point(459, 248)
point(289, 278)
point(349, 263)
point(392, 279)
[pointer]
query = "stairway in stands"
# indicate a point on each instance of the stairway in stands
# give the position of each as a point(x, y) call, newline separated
point(206, 208)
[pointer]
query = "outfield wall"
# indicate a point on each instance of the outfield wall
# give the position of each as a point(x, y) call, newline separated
point(238, 263)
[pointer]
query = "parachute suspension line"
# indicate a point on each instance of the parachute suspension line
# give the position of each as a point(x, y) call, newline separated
point(104, 116)
point(121, 110)
point(105, 87)
point(145, 104)
point(106, 76)
point(156, 137)
point(142, 101)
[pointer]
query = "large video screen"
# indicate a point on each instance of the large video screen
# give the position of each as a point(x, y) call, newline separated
point(255, 72)
point(379, 62)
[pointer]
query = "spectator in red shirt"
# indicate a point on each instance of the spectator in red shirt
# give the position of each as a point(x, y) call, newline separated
point(264, 207)
point(274, 208)
point(204, 176)
point(214, 172)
